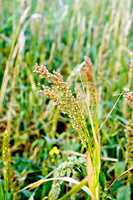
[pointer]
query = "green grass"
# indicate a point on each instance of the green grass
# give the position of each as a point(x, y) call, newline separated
point(38, 142)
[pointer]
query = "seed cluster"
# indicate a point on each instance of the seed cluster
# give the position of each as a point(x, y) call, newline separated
point(60, 93)
point(129, 98)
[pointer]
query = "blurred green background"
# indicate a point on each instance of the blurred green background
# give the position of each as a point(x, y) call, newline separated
point(35, 137)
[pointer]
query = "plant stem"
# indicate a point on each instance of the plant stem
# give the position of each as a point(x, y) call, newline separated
point(93, 170)
point(74, 189)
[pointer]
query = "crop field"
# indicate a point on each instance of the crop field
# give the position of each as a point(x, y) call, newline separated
point(66, 99)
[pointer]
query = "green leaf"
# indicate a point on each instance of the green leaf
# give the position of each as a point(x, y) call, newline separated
point(124, 193)
point(1, 191)
point(119, 168)
point(102, 179)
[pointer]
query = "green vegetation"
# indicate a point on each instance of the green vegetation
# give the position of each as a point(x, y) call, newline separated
point(68, 133)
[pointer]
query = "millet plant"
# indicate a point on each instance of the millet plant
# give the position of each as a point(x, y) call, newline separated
point(61, 94)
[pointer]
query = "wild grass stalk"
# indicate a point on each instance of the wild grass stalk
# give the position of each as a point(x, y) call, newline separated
point(11, 68)
point(12, 57)
point(6, 157)
point(60, 93)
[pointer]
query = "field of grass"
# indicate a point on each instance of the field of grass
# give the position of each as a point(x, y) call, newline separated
point(66, 133)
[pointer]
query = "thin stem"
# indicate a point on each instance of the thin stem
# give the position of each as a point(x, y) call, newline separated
point(75, 189)
point(107, 117)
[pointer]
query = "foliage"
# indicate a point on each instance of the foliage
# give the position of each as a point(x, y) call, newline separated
point(37, 139)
